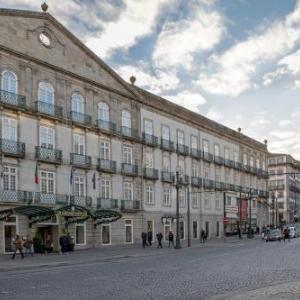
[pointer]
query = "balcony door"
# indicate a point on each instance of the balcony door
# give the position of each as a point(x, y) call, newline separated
point(9, 82)
point(9, 129)
point(79, 144)
point(47, 137)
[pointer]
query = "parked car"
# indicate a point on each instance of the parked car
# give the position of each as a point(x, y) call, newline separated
point(293, 233)
point(273, 235)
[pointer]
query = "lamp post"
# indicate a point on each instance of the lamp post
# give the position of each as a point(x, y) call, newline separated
point(177, 186)
point(273, 209)
point(276, 208)
point(250, 234)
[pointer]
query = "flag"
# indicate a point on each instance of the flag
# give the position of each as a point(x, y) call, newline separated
point(36, 174)
point(94, 181)
point(71, 176)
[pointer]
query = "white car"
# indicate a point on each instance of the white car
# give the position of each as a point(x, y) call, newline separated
point(293, 233)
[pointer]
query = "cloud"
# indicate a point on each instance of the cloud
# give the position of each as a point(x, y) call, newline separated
point(214, 114)
point(283, 134)
point(237, 65)
point(285, 123)
point(179, 41)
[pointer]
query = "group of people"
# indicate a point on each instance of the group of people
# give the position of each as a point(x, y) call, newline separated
point(20, 244)
point(147, 238)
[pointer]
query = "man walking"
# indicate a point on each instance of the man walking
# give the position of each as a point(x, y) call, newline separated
point(203, 236)
point(239, 233)
point(144, 239)
point(18, 246)
point(149, 236)
point(159, 237)
point(171, 238)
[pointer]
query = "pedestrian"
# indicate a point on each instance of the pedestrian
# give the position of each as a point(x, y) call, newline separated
point(144, 239)
point(149, 237)
point(28, 245)
point(202, 236)
point(49, 244)
point(63, 242)
point(288, 234)
point(239, 233)
point(159, 237)
point(171, 238)
point(18, 246)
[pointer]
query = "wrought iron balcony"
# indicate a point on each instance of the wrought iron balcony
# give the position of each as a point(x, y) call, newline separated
point(49, 109)
point(48, 155)
point(167, 176)
point(293, 188)
point(106, 165)
point(237, 165)
point(219, 160)
point(253, 170)
point(167, 145)
point(85, 201)
point(107, 126)
point(150, 173)
point(208, 183)
point(246, 168)
point(16, 196)
point(12, 148)
point(182, 149)
point(196, 153)
point(196, 182)
point(184, 179)
point(207, 156)
point(11, 99)
point(80, 161)
point(229, 163)
point(150, 139)
point(129, 169)
point(81, 118)
point(263, 194)
point(277, 187)
point(130, 205)
point(227, 187)
point(262, 174)
point(51, 199)
point(129, 133)
point(107, 203)
point(219, 185)
point(238, 188)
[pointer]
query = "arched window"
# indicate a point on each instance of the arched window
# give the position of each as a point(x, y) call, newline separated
point(77, 103)
point(126, 119)
point(46, 92)
point(9, 82)
point(103, 112)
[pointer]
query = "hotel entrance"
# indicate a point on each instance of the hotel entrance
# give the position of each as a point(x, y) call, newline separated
point(44, 234)
point(10, 230)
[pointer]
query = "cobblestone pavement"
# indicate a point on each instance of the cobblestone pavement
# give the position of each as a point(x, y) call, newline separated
point(240, 270)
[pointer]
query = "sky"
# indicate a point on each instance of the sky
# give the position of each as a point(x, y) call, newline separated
point(234, 61)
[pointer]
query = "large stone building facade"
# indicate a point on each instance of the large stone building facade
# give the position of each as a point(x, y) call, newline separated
point(74, 132)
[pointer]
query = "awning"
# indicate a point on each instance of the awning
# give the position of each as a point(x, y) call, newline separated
point(105, 216)
point(74, 213)
point(5, 214)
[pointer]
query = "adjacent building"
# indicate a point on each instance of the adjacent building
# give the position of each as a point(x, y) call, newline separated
point(75, 135)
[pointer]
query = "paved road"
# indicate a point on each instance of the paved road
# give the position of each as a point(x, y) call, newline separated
point(243, 270)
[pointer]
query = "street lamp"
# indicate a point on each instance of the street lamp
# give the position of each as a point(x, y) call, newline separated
point(177, 186)
point(250, 234)
point(273, 209)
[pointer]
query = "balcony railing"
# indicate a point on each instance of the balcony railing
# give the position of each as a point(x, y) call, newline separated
point(48, 155)
point(219, 185)
point(196, 153)
point(219, 160)
point(49, 109)
point(262, 174)
point(150, 173)
point(237, 165)
point(246, 168)
point(129, 133)
point(130, 205)
point(182, 149)
point(12, 148)
point(12, 99)
point(129, 169)
point(80, 161)
point(253, 170)
point(167, 145)
point(85, 201)
point(184, 179)
point(107, 126)
point(238, 188)
point(196, 182)
point(167, 176)
point(229, 163)
point(81, 118)
point(51, 199)
point(276, 187)
point(106, 165)
point(263, 194)
point(16, 196)
point(150, 139)
point(107, 203)
point(208, 183)
point(207, 156)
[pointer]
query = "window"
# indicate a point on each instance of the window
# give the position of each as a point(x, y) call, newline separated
point(79, 186)
point(79, 144)
point(194, 170)
point(251, 161)
point(235, 156)
point(217, 173)
point(182, 198)
point(46, 93)
point(206, 170)
point(149, 159)
point(180, 137)
point(80, 234)
point(227, 176)
point(245, 159)
point(253, 204)
point(104, 149)
point(279, 171)
point(195, 200)
point(106, 234)
point(205, 146)
point(127, 154)
point(194, 142)
point(105, 189)
point(128, 190)
point(103, 112)
point(46, 137)
point(166, 163)
point(77, 103)
point(236, 177)
point(181, 230)
point(217, 150)
point(9, 178)
point(218, 201)
point(149, 194)
point(257, 163)
point(226, 153)
point(47, 182)
point(228, 201)
point(263, 165)
point(9, 82)
point(195, 229)
point(128, 231)
point(280, 205)
point(181, 165)
point(126, 119)
point(167, 196)
point(165, 132)
point(206, 201)
point(9, 129)
point(148, 126)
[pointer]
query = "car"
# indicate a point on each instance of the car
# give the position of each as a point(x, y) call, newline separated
point(273, 235)
point(293, 233)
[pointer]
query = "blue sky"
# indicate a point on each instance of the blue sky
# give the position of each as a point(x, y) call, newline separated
point(234, 61)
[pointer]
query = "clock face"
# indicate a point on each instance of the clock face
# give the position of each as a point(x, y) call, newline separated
point(44, 38)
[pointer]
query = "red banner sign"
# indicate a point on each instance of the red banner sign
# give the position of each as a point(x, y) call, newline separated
point(243, 210)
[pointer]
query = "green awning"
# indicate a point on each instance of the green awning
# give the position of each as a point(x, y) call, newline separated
point(102, 216)
point(32, 211)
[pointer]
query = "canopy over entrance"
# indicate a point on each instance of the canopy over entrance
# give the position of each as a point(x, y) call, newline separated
point(74, 213)
point(105, 216)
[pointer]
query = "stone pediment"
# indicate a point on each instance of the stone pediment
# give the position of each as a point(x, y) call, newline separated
point(42, 37)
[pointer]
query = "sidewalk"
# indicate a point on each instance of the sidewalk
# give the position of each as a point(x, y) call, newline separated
point(104, 254)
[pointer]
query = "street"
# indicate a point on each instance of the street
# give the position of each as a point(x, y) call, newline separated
point(214, 271)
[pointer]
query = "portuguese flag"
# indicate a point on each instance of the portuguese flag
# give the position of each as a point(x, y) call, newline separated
point(36, 175)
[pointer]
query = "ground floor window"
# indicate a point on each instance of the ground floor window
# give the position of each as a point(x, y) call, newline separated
point(128, 231)
point(80, 234)
point(167, 229)
point(150, 227)
point(106, 234)
point(218, 229)
point(195, 229)
point(181, 230)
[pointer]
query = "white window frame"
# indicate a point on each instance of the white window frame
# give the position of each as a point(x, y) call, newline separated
point(226, 153)
point(48, 180)
point(105, 188)
point(84, 231)
point(46, 93)
point(205, 144)
point(9, 82)
point(149, 194)
point(149, 159)
point(77, 103)
point(180, 137)
point(194, 142)
point(167, 192)
point(103, 111)
point(126, 118)
point(148, 126)
point(166, 163)
point(127, 225)
point(47, 137)
point(79, 142)
point(104, 149)
point(80, 182)
point(165, 132)
point(109, 226)
point(128, 187)
point(216, 149)
point(9, 125)
point(8, 175)
point(127, 154)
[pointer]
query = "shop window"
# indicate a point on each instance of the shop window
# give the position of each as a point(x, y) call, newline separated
point(106, 234)
point(80, 234)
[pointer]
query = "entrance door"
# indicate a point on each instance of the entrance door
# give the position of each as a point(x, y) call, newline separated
point(128, 231)
point(9, 235)
point(167, 229)
point(195, 229)
point(207, 228)
point(150, 227)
